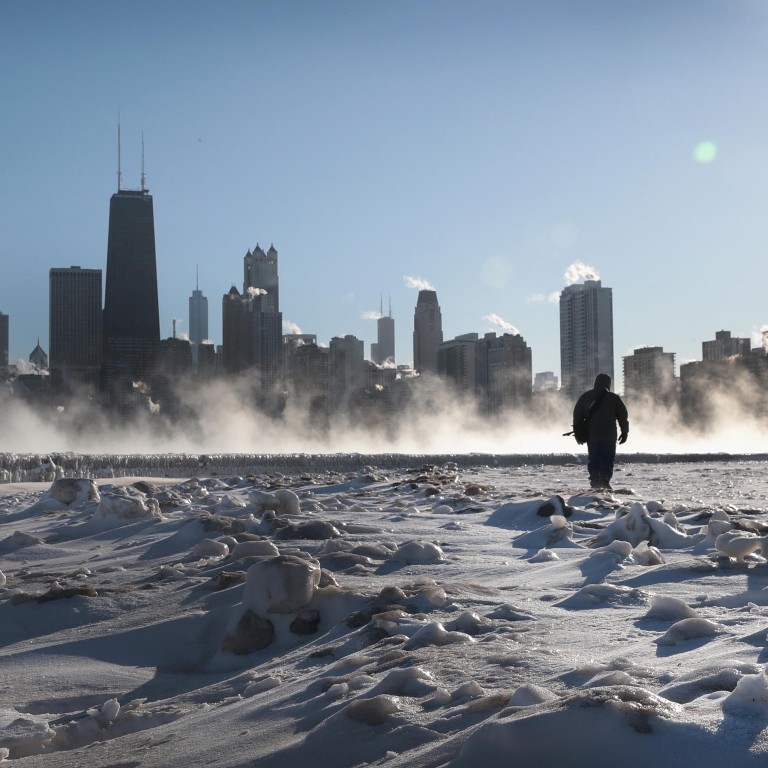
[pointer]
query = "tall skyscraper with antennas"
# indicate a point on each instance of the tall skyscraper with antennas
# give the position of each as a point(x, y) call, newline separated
point(131, 315)
point(383, 351)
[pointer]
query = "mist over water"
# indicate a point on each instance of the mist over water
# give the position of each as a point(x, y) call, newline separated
point(219, 420)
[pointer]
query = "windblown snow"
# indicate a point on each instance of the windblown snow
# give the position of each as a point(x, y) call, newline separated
point(432, 615)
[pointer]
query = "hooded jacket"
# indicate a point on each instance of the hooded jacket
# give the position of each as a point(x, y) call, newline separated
point(609, 411)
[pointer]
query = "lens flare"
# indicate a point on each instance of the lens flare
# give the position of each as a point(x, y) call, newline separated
point(705, 152)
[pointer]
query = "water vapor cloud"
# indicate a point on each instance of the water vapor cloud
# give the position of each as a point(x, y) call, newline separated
point(553, 297)
point(291, 328)
point(501, 323)
point(372, 315)
point(580, 271)
point(418, 283)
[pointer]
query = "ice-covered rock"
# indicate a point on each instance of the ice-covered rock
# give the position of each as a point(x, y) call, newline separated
point(635, 525)
point(750, 696)
point(260, 548)
point(530, 694)
point(210, 548)
point(288, 502)
point(413, 552)
point(69, 490)
point(688, 629)
point(263, 500)
point(665, 608)
point(281, 584)
point(738, 544)
point(128, 507)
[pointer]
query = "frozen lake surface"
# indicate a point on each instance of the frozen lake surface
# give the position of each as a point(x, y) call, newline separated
point(345, 610)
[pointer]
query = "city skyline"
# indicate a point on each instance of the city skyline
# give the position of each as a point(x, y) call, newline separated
point(482, 149)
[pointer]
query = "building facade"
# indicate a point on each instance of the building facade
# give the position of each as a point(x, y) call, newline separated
point(427, 332)
point(75, 327)
point(456, 363)
point(649, 374)
point(198, 323)
point(131, 327)
point(346, 372)
point(586, 335)
point(724, 346)
point(383, 350)
point(4, 339)
point(260, 271)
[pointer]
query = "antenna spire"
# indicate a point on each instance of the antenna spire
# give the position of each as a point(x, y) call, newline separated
point(390, 306)
point(119, 172)
point(197, 277)
point(143, 175)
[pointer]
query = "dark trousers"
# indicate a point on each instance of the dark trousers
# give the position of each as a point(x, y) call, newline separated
point(600, 462)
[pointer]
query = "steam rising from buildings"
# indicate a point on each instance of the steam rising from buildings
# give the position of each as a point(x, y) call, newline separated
point(418, 283)
point(502, 324)
point(580, 271)
point(764, 332)
point(372, 315)
point(291, 328)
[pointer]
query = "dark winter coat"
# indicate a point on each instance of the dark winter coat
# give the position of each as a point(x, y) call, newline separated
point(605, 415)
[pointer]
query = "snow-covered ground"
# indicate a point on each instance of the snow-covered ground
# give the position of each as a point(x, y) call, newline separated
point(412, 616)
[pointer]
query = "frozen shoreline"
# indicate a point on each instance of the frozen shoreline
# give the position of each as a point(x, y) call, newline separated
point(26, 467)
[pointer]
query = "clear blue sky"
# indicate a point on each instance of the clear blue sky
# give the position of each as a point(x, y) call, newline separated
point(481, 146)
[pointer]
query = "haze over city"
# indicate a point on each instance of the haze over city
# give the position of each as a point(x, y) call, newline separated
point(483, 148)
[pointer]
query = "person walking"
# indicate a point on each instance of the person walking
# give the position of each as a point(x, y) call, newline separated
point(598, 411)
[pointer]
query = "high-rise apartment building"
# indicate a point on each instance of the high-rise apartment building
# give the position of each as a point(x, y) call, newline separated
point(131, 316)
point(586, 335)
point(510, 372)
point(346, 372)
point(383, 350)
point(724, 346)
point(4, 324)
point(649, 373)
point(427, 332)
point(75, 327)
point(456, 362)
point(198, 322)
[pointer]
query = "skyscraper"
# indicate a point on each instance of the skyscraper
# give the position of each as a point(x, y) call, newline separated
point(233, 332)
point(383, 349)
point(75, 326)
point(264, 333)
point(198, 321)
point(510, 372)
point(457, 363)
point(131, 316)
point(3, 339)
point(346, 372)
point(260, 271)
point(586, 335)
point(427, 332)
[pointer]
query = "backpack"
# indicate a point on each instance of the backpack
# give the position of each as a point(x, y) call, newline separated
point(581, 430)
